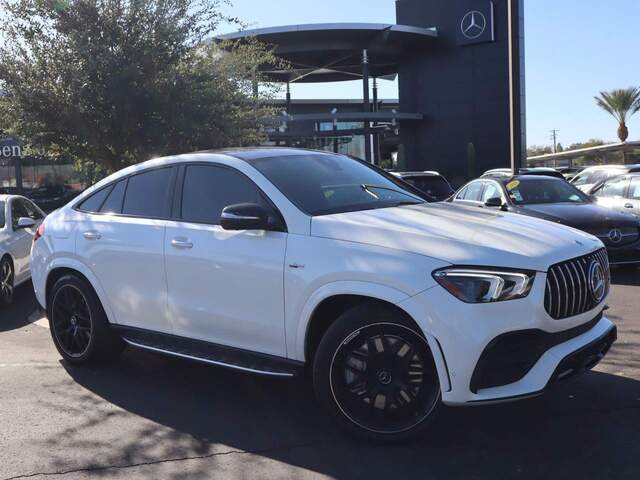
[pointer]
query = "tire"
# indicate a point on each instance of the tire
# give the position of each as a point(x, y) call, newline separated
point(390, 395)
point(78, 324)
point(7, 278)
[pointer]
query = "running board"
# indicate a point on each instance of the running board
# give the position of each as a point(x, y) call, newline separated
point(213, 354)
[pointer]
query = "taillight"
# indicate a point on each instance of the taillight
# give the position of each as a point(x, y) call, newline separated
point(39, 233)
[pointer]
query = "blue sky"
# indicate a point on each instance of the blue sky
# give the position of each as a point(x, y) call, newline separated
point(574, 49)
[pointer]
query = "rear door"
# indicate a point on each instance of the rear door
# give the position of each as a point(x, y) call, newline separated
point(121, 238)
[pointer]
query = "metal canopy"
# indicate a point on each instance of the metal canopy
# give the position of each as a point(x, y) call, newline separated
point(333, 52)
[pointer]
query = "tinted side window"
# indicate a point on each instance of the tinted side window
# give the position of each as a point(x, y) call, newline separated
point(462, 193)
point(491, 191)
point(613, 188)
point(17, 212)
point(472, 192)
point(634, 191)
point(113, 203)
point(148, 194)
point(94, 202)
point(2, 217)
point(208, 190)
point(31, 211)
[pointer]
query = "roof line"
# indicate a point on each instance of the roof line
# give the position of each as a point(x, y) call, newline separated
point(427, 32)
point(598, 148)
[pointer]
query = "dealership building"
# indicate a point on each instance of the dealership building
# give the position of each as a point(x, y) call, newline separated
point(461, 92)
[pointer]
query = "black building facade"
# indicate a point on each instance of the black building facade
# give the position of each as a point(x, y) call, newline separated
point(470, 88)
point(460, 65)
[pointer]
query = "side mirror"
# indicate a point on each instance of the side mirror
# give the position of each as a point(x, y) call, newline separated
point(245, 216)
point(26, 222)
point(494, 202)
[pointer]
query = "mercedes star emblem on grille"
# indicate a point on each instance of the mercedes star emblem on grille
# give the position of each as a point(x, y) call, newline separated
point(597, 281)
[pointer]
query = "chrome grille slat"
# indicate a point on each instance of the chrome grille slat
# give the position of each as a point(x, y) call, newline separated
point(579, 289)
point(555, 298)
point(567, 292)
point(564, 293)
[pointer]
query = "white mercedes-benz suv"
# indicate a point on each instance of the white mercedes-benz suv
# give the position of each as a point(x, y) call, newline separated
point(280, 261)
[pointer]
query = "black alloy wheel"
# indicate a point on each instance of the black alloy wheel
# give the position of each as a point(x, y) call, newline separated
point(71, 319)
point(382, 379)
point(79, 326)
point(6, 282)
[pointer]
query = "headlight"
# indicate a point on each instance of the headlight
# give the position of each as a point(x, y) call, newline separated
point(473, 285)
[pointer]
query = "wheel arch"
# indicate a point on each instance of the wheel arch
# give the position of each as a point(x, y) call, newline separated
point(327, 304)
point(8, 255)
point(328, 311)
point(60, 268)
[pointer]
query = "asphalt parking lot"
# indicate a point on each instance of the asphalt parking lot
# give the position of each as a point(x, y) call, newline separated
point(153, 417)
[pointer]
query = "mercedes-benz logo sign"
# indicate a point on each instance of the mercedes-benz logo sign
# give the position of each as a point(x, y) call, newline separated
point(597, 281)
point(615, 235)
point(473, 24)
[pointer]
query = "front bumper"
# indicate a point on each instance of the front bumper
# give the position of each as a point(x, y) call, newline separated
point(462, 333)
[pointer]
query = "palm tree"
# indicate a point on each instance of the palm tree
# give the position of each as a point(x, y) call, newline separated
point(622, 104)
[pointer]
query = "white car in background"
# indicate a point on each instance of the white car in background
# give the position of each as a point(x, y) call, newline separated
point(19, 219)
point(272, 260)
point(588, 178)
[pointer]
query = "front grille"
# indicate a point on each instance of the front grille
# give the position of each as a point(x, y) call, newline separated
point(568, 291)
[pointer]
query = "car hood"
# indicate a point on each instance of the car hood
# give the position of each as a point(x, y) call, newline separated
point(460, 235)
point(589, 217)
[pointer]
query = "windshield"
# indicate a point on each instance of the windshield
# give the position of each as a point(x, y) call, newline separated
point(1, 214)
point(594, 176)
point(323, 184)
point(530, 192)
point(434, 186)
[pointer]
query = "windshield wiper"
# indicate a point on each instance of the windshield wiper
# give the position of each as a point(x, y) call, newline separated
point(367, 188)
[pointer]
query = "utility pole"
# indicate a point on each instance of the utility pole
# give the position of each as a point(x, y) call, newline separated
point(554, 137)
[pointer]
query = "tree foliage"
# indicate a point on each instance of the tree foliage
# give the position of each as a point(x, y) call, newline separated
point(536, 150)
point(621, 104)
point(592, 142)
point(120, 81)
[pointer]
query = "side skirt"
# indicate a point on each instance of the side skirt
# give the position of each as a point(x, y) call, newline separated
point(210, 353)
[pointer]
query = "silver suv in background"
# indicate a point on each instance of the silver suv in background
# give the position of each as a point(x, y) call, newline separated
point(592, 176)
point(620, 193)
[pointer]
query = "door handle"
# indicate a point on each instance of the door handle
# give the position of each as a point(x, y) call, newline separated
point(92, 235)
point(628, 205)
point(181, 243)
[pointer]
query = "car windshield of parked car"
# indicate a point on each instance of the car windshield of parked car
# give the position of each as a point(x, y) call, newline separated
point(541, 190)
point(324, 184)
point(2, 215)
point(594, 176)
point(434, 186)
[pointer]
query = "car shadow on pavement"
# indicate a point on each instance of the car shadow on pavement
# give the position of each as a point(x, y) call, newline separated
point(585, 428)
point(17, 314)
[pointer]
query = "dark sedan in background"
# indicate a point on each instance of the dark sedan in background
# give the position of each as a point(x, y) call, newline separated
point(556, 200)
point(434, 185)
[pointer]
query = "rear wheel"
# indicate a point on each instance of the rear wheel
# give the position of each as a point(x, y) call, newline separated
point(375, 374)
point(78, 324)
point(6, 282)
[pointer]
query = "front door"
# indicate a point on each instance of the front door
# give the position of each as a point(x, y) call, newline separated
point(224, 287)
point(21, 238)
point(632, 202)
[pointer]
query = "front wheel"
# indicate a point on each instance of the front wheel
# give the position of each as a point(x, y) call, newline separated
point(375, 374)
point(6, 282)
point(78, 324)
